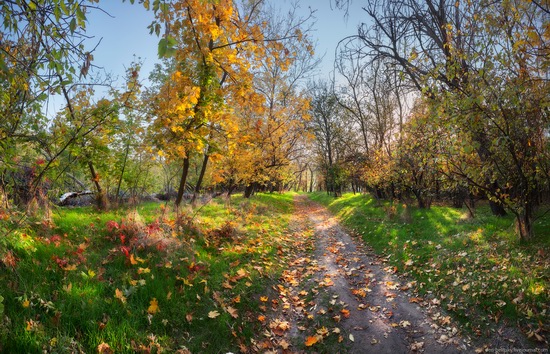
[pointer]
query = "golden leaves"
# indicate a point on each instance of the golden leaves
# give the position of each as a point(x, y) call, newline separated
point(153, 307)
point(120, 296)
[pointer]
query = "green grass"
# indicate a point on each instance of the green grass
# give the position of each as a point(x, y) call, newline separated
point(477, 268)
point(141, 279)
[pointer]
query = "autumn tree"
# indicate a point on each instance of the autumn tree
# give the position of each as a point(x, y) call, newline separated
point(212, 44)
point(486, 66)
point(278, 129)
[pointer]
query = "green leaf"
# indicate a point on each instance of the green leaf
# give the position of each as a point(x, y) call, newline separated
point(63, 7)
point(166, 47)
point(81, 16)
point(72, 25)
point(162, 47)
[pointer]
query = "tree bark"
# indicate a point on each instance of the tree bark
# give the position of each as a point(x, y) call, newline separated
point(311, 180)
point(249, 190)
point(126, 152)
point(101, 198)
point(201, 176)
point(524, 225)
point(183, 180)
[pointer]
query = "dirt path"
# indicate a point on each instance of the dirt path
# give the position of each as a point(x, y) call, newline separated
point(338, 297)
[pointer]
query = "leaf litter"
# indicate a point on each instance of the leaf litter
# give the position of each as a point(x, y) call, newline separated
point(336, 296)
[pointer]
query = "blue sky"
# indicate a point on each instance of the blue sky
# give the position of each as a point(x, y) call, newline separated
point(124, 33)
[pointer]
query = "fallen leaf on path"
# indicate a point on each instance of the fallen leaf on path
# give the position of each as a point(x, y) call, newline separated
point(284, 344)
point(404, 324)
point(323, 331)
point(351, 338)
point(417, 346)
point(345, 313)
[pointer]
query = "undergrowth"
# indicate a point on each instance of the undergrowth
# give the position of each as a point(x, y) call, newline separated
point(142, 279)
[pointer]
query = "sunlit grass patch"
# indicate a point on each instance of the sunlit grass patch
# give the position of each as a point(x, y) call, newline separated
point(143, 279)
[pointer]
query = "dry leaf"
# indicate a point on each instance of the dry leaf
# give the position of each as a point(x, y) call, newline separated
point(417, 346)
point(104, 348)
point(133, 260)
point(153, 307)
point(232, 311)
point(213, 314)
point(284, 344)
point(310, 341)
point(119, 295)
point(345, 312)
point(351, 338)
point(322, 331)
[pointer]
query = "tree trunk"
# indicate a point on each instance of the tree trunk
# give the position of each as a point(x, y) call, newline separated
point(524, 225)
point(249, 190)
point(311, 181)
point(101, 198)
point(122, 173)
point(201, 176)
point(183, 180)
point(497, 209)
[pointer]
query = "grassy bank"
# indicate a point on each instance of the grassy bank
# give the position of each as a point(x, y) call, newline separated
point(141, 279)
point(476, 268)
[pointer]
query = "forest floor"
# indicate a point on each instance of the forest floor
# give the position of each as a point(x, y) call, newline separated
point(338, 296)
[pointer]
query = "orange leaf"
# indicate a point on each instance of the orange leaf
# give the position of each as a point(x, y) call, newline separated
point(133, 260)
point(119, 295)
point(310, 341)
point(345, 312)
